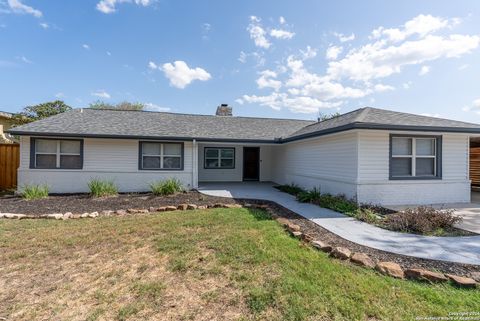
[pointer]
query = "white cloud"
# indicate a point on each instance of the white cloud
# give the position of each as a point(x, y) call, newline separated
point(85, 46)
point(44, 25)
point(180, 75)
point(281, 34)
point(243, 57)
point(257, 33)
point(281, 20)
point(109, 6)
point(475, 106)
point(154, 107)
point(152, 65)
point(356, 74)
point(25, 59)
point(407, 85)
point(344, 38)
point(430, 115)
point(378, 60)
point(382, 88)
point(267, 80)
point(59, 95)
point(421, 25)
point(101, 94)
point(463, 67)
point(206, 28)
point(18, 7)
point(424, 70)
point(333, 52)
point(308, 53)
point(108, 53)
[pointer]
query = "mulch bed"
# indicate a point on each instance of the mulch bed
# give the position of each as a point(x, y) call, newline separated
point(81, 203)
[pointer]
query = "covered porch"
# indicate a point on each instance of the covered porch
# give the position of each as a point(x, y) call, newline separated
point(234, 162)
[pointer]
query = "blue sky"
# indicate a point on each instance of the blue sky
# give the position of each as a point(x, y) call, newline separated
point(289, 59)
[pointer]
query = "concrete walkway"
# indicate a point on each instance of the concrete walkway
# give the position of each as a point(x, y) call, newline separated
point(453, 249)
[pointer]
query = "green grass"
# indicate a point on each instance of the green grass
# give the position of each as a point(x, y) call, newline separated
point(228, 264)
point(101, 188)
point(166, 187)
point(34, 192)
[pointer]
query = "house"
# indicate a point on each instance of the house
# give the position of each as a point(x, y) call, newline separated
point(372, 155)
point(6, 123)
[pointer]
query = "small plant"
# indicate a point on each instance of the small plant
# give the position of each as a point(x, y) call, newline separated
point(292, 189)
point(422, 220)
point(167, 187)
point(34, 192)
point(101, 188)
point(338, 203)
point(309, 196)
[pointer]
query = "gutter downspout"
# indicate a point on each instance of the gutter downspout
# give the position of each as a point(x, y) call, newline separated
point(194, 164)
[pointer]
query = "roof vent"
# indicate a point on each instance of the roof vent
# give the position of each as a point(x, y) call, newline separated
point(224, 110)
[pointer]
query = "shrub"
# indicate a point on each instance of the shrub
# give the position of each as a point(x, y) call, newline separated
point(292, 189)
point(309, 196)
point(166, 187)
point(33, 192)
point(101, 188)
point(338, 203)
point(367, 215)
point(423, 220)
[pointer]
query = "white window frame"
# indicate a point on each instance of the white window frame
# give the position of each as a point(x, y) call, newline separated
point(219, 158)
point(162, 155)
point(58, 153)
point(413, 157)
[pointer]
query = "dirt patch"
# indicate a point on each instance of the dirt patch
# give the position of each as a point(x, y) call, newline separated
point(81, 203)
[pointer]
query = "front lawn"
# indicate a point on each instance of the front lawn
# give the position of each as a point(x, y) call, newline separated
point(224, 264)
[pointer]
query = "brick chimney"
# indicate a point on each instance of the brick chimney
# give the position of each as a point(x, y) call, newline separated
point(224, 110)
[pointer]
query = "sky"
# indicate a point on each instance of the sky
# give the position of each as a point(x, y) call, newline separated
point(281, 59)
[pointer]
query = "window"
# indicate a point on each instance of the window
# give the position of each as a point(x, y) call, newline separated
point(56, 154)
point(161, 156)
point(415, 157)
point(219, 157)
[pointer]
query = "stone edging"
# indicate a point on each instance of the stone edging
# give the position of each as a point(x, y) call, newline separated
point(387, 268)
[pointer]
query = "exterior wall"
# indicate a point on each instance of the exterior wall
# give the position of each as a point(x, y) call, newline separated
point(375, 187)
point(111, 159)
point(235, 174)
point(327, 162)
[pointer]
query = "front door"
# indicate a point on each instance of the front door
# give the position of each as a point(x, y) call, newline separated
point(251, 163)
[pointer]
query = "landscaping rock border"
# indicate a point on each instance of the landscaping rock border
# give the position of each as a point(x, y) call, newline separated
point(343, 253)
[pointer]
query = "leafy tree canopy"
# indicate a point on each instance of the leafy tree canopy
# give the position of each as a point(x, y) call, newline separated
point(40, 111)
point(322, 117)
point(124, 105)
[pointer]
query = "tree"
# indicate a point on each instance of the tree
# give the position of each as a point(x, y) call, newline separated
point(40, 111)
point(124, 105)
point(322, 117)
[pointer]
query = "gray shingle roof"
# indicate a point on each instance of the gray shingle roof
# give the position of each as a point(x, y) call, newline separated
point(115, 123)
point(374, 118)
point(105, 123)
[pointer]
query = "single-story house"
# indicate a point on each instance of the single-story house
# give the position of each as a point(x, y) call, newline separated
point(372, 155)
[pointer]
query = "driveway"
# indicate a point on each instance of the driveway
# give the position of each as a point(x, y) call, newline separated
point(469, 211)
point(464, 249)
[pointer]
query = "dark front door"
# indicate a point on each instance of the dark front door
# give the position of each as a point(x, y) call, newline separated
point(251, 163)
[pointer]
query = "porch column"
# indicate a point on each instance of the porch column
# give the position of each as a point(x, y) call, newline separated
point(194, 164)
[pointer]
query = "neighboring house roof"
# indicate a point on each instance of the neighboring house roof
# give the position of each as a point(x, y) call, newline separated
point(4, 114)
point(143, 124)
point(159, 125)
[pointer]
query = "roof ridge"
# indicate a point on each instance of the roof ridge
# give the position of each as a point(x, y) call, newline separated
point(363, 113)
point(187, 114)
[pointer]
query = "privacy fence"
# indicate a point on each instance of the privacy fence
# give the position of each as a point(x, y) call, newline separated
point(9, 162)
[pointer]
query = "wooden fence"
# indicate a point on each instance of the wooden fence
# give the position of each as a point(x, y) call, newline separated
point(9, 162)
point(475, 165)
